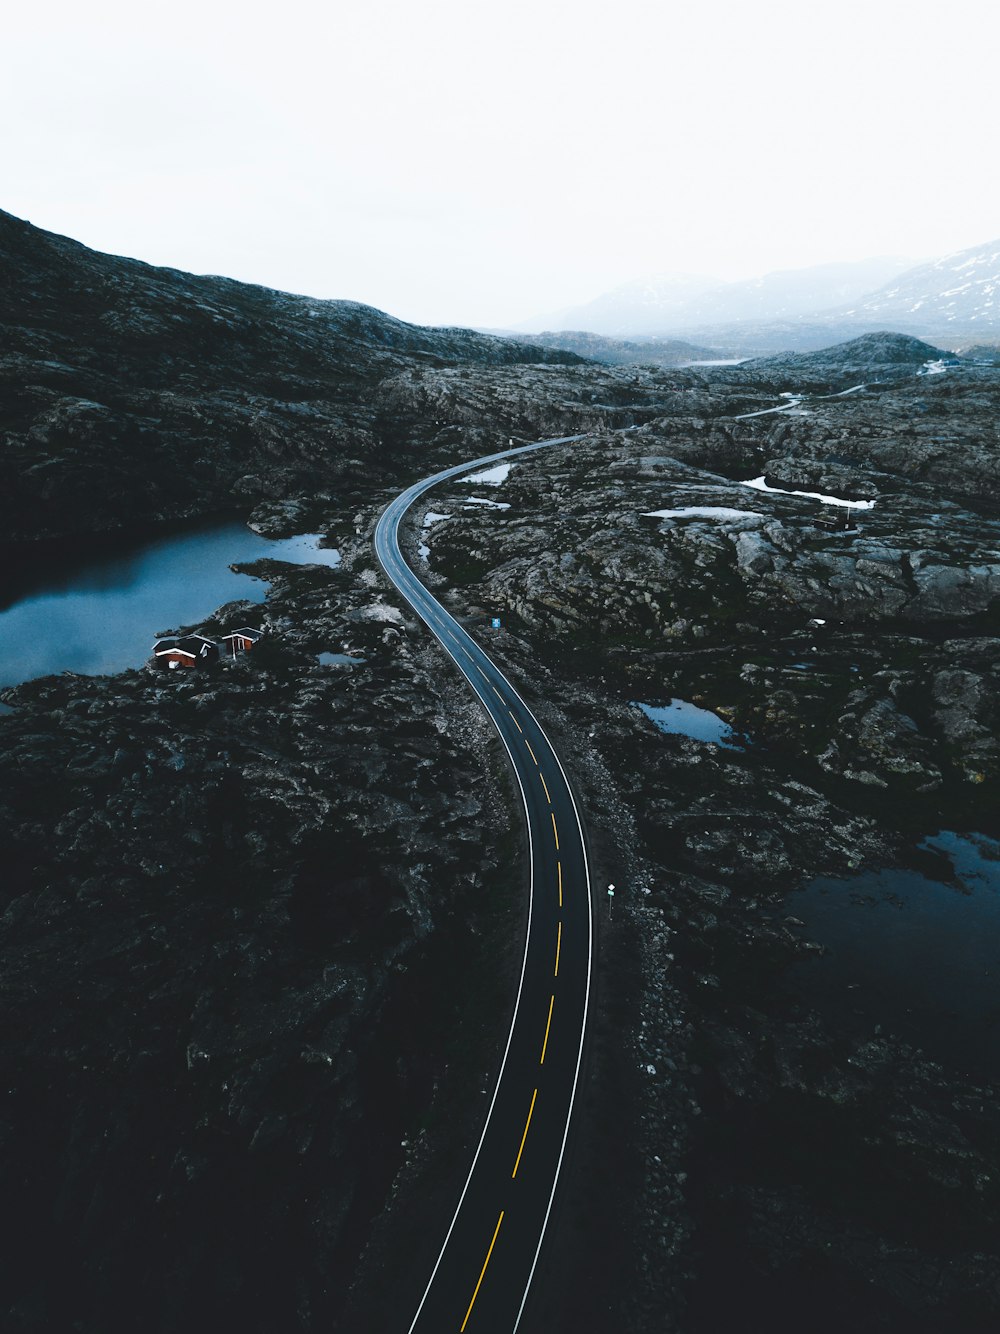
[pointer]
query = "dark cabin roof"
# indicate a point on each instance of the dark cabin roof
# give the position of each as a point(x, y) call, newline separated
point(192, 646)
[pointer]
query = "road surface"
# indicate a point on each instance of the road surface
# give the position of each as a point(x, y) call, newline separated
point(480, 1281)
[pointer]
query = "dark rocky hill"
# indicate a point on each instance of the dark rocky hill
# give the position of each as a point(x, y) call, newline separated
point(875, 349)
point(872, 357)
point(129, 390)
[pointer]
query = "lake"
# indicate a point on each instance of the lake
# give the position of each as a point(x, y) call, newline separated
point(102, 613)
point(912, 952)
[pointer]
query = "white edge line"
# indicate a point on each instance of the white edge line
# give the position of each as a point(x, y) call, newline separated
point(587, 993)
point(411, 494)
point(583, 1022)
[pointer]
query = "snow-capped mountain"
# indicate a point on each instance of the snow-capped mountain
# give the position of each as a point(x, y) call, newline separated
point(960, 291)
point(672, 302)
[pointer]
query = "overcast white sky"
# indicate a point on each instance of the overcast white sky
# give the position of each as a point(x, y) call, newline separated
point(454, 161)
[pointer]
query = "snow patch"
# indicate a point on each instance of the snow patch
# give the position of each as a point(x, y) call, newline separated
point(759, 484)
point(381, 611)
point(491, 476)
point(702, 512)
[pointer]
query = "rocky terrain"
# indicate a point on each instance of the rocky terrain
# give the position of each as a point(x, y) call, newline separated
point(832, 1172)
point(872, 358)
point(261, 922)
point(229, 915)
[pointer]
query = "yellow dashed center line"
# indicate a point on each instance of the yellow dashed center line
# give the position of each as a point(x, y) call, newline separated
point(499, 696)
point(559, 869)
point(530, 751)
point(516, 723)
point(527, 1123)
point(558, 948)
point(555, 831)
point(548, 1024)
point(485, 1263)
point(545, 786)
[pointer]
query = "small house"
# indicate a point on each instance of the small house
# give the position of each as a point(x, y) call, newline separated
point(189, 651)
point(241, 641)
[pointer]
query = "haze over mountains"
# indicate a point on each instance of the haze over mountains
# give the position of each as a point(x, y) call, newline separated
point(671, 301)
point(952, 298)
point(962, 290)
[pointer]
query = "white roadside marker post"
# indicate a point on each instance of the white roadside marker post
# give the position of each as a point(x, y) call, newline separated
point(611, 899)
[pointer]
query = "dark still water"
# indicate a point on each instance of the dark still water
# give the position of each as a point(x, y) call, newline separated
point(101, 614)
point(914, 954)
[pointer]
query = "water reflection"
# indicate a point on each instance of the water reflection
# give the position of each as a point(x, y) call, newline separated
point(102, 616)
point(912, 952)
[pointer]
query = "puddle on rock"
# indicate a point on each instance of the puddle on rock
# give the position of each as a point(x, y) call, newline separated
point(339, 660)
point(686, 719)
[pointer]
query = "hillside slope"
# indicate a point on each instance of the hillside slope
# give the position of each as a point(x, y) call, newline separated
point(129, 390)
point(874, 356)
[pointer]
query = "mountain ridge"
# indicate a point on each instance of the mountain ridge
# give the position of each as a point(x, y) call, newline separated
point(956, 297)
point(131, 390)
point(672, 304)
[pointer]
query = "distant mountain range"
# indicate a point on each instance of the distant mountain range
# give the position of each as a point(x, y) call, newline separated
point(670, 302)
point(962, 290)
point(955, 299)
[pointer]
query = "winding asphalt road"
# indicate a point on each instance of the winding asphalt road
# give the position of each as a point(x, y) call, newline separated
point(483, 1273)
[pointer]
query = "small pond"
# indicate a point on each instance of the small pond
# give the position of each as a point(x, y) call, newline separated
point(912, 952)
point(687, 719)
point(339, 660)
point(101, 613)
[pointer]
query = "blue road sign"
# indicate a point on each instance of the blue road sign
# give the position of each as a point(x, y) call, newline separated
point(495, 623)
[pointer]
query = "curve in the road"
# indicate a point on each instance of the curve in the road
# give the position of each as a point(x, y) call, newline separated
point(480, 1281)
